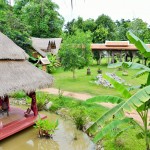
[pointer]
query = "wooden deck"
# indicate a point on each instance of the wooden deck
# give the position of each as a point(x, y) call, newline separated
point(15, 122)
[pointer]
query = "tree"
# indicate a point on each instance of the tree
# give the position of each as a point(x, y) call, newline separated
point(121, 29)
point(100, 34)
point(140, 101)
point(107, 23)
point(12, 26)
point(42, 16)
point(89, 25)
point(70, 27)
point(75, 52)
point(140, 29)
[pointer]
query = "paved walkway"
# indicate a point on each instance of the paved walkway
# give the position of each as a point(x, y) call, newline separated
point(84, 96)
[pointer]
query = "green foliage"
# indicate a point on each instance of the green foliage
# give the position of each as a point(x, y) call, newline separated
point(106, 99)
point(145, 51)
point(140, 29)
point(79, 117)
point(100, 34)
point(32, 59)
point(75, 51)
point(108, 25)
point(124, 92)
point(41, 16)
point(46, 128)
point(12, 26)
point(110, 128)
point(54, 63)
point(18, 95)
point(121, 29)
point(140, 101)
point(41, 99)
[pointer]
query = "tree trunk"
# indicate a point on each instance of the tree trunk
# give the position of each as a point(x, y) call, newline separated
point(73, 71)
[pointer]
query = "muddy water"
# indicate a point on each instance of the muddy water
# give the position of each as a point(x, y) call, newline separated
point(65, 138)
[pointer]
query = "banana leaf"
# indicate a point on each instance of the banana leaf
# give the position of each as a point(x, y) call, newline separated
point(130, 65)
point(108, 115)
point(142, 72)
point(144, 49)
point(105, 98)
point(137, 100)
point(119, 87)
point(108, 128)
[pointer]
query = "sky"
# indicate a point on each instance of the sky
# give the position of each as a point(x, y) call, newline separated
point(116, 9)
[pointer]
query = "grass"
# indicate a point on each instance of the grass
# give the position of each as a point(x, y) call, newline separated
point(126, 141)
point(85, 84)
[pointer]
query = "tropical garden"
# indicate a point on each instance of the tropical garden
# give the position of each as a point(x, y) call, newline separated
point(109, 128)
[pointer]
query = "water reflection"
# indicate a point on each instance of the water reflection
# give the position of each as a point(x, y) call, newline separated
point(65, 138)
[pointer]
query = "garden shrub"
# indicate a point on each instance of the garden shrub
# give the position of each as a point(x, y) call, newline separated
point(46, 128)
point(18, 95)
point(79, 116)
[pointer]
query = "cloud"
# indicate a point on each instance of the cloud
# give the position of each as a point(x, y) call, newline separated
point(116, 9)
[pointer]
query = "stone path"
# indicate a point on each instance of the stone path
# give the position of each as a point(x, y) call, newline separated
point(84, 96)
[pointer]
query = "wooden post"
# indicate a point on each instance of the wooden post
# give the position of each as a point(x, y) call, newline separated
point(6, 99)
point(133, 53)
point(108, 56)
point(112, 59)
point(1, 101)
point(33, 103)
point(100, 57)
point(120, 56)
point(126, 57)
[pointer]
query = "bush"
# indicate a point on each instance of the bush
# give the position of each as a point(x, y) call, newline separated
point(41, 99)
point(79, 116)
point(46, 128)
point(18, 95)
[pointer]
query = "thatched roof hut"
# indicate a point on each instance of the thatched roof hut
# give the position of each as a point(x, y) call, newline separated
point(41, 45)
point(16, 73)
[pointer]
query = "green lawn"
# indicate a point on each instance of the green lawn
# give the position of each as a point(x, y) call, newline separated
point(85, 84)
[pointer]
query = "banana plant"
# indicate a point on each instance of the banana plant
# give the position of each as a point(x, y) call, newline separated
point(139, 102)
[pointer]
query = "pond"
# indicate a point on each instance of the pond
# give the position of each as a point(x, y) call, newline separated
point(66, 137)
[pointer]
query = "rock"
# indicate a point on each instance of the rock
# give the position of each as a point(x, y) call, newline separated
point(48, 105)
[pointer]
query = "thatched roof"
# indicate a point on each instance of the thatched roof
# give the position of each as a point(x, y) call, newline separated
point(9, 50)
point(16, 74)
point(41, 44)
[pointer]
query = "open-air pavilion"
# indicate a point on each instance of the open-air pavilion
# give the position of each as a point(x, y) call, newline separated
point(17, 74)
point(116, 48)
